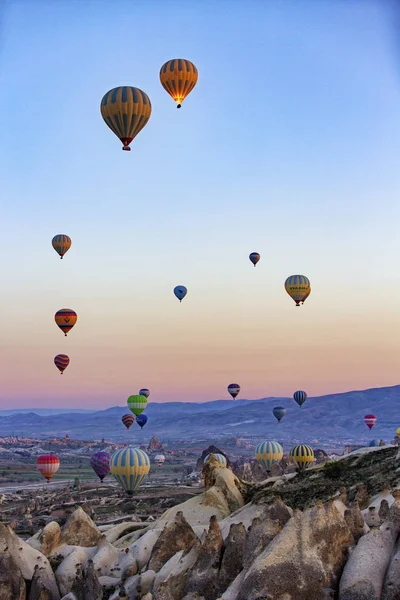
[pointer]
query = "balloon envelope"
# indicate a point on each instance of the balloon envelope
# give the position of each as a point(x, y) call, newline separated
point(48, 465)
point(267, 453)
point(128, 420)
point(144, 392)
point(220, 458)
point(61, 244)
point(137, 404)
point(233, 389)
point(61, 361)
point(178, 77)
point(141, 420)
point(65, 319)
point(370, 421)
point(298, 287)
point(300, 397)
point(129, 466)
point(100, 463)
point(303, 455)
point(180, 292)
point(159, 459)
point(126, 110)
point(279, 412)
point(374, 443)
point(254, 257)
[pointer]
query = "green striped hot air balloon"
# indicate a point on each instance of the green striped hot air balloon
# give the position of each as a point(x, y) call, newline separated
point(137, 404)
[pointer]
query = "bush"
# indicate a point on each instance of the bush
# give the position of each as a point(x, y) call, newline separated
point(336, 469)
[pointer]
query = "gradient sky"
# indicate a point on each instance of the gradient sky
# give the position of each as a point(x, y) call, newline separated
point(288, 146)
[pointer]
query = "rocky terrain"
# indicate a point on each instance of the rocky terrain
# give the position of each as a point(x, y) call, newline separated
point(329, 533)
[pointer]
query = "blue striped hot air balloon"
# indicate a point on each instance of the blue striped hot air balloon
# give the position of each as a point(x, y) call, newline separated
point(267, 453)
point(220, 458)
point(279, 412)
point(300, 397)
point(130, 467)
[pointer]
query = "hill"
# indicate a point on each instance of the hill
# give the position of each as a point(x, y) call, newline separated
point(325, 420)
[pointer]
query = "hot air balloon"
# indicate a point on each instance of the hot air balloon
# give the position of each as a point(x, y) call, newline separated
point(254, 257)
point(398, 432)
point(144, 392)
point(159, 459)
point(61, 243)
point(220, 458)
point(303, 455)
point(137, 404)
point(128, 420)
point(374, 443)
point(234, 389)
point(370, 421)
point(48, 465)
point(298, 287)
point(100, 463)
point(178, 77)
point(141, 420)
point(300, 397)
point(66, 319)
point(268, 453)
point(279, 412)
point(61, 361)
point(180, 292)
point(129, 466)
point(126, 110)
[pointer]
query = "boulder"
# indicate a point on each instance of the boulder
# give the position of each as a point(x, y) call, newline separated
point(122, 529)
point(204, 574)
point(67, 570)
point(355, 521)
point(80, 530)
point(301, 560)
point(12, 584)
point(176, 535)
point(50, 538)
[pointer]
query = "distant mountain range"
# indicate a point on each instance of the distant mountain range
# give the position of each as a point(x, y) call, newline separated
point(326, 421)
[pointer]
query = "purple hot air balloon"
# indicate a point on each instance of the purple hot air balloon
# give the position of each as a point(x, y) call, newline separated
point(100, 463)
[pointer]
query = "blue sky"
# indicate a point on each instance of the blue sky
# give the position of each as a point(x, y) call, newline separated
point(289, 145)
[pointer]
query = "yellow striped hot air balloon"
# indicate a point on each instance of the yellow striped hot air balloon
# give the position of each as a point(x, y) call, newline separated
point(137, 403)
point(178, 77)
point(267, 453)
point(298, 287)
point(303, 455)
point(220, 458)
point(61, 243)
point(129, 466)
point(126, 110)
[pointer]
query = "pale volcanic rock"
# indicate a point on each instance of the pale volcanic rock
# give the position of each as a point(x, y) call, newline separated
point(26, 558)
point(176, 535)
point(171, 579)
point(41, 586)
point(141, 549)
point(86, 585)
point(364, 573)
point(50, 538)
point(232, 559)
point(80, 530)
point(120, 530)
point(310, 547)
point(204, 574)
point(66, 571)
point(391, 587)
point(12, 584)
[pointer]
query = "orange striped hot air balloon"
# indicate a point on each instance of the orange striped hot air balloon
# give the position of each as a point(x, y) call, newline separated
point(48, 465)
point(61, 243)
point(66, 319)
point(61, 361)
point(128, 420)
point(178, 77)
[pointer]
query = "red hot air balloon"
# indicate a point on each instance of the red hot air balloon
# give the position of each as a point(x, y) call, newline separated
point(48, 465)
point(128, 420)
point(234, 389)
point(370, 421)
point(61, 361)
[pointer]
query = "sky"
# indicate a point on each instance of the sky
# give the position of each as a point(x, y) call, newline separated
point(288, 146)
